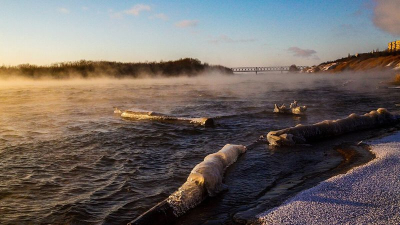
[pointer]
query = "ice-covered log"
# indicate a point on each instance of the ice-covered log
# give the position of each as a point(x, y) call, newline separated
point(204, 180)
point(293, 109)
point(149, 115)
point(303, 134)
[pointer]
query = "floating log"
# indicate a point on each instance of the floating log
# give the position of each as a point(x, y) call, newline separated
point(149, 115)
point(293, 109)
point(303, 134)
point(204, 180)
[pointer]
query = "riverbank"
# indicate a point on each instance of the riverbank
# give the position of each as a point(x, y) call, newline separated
point(359, 62)
point(366, 194)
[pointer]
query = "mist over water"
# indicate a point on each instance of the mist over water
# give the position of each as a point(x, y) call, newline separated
point(66, 158)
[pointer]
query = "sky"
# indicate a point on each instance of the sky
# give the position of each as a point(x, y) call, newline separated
point(230, 33)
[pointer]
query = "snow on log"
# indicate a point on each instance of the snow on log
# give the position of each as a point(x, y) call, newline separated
point(293, 109)
point(303, 134)
point(138, 114)
point(204, 180)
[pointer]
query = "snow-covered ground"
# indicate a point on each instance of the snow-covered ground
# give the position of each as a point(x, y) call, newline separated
point(369, 194)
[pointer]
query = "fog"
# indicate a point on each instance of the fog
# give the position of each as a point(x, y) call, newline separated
point(212, 81)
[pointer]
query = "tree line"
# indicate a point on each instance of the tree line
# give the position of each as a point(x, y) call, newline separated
point(92, 69)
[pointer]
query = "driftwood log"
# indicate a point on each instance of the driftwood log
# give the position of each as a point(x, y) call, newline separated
point(149, 115)
point(329, 128)
point(204, 180)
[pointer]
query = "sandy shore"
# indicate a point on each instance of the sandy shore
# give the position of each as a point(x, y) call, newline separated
point(369, 194)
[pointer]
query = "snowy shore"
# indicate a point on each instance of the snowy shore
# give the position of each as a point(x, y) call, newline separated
point(369, 194)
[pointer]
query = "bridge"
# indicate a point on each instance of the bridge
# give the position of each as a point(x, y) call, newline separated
point(267, 69)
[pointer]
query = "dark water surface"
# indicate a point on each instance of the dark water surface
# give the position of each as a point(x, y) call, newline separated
point(65, 158)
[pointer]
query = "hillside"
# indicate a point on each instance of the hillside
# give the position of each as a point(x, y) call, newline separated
point(93, 69)
point(360, 62)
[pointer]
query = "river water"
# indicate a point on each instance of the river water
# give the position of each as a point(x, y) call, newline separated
point(66, 158)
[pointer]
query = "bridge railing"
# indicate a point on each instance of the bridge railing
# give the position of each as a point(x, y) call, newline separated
point(264, 69)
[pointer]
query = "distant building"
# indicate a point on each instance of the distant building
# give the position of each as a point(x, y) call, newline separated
point(394, 46)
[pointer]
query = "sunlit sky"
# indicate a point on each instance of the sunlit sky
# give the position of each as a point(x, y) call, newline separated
point(230, 33)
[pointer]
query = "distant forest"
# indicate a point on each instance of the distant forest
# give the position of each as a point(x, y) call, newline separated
point(93, 69)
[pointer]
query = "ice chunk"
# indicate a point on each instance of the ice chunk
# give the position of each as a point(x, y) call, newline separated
point(293, 109)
